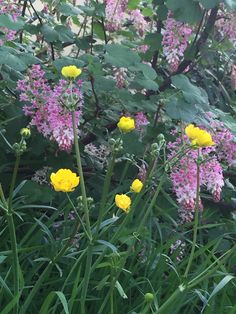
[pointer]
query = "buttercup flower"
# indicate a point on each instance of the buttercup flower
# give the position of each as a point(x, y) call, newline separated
point(123, 201)
point(136, 186)
point(64, 180)
point(199, 138)
point(126, 124)
point(71, 71)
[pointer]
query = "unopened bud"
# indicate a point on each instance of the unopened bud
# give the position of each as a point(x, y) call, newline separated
point(25, 133)
point(148, 297)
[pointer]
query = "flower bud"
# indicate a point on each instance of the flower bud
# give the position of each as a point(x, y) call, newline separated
point(25, 133)
point(148, 297)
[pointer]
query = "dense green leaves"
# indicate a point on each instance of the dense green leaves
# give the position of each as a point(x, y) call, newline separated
point(187, 11)
point(121, 56)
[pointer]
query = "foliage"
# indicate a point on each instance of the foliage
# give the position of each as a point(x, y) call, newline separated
point(163, 64)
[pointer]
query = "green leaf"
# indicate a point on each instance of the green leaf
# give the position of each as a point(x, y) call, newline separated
point(64, 34)
point(65, 61)
point(133, 4)
point(153, 41)
point(98, 30)
point(178, 108)
point(147, 70)
point(108, 244)
point(219, 287)
point(187, 11)
point(10, 305)
point(49, 33)
point(162, 12)
point(8, 22)
point(120, 290)
point(121, 56)
point(48, 301)
point(13, 61)
point(209, 4)
point(147, 83)
point(68, 9)
point(192, 94)
point(147, 12)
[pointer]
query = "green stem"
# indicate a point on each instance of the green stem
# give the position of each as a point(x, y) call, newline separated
point(105, 191)
point(77, 214)
point(196, 219)
point(86, 278)
point(35, 289)
point(168, 302)
point(82, 184)
point(15, 265)
point(12, 231)
point(13, 182)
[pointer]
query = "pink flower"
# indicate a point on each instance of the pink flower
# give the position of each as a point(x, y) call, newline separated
point(49, 107)
point(175, 41)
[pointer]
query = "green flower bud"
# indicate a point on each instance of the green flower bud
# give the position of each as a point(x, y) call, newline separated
point(25, 133)
point(148, 297)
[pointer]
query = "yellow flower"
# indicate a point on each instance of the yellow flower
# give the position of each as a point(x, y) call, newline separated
point(191, 131)
point(198, 137)
point(71, 71)
point(136, 186)
point(64, 180)
point(25, 132)
point(126, 124)
point(123, 201)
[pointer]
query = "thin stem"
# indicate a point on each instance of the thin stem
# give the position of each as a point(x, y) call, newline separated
point(80, 170)
point(77, 214)
point(12, 231)
point(196, 219)
point(105, 191)
point(15, 258)
point(13, 181)
point(168, 302)
point(86, 278)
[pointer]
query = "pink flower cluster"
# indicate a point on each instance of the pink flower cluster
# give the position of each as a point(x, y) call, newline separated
point(117, 15)
point(138, 21)
point(11, 8)
point(184, 172)
point(120, 75)
point(175, 41)
point(226, 25)
point(140, 120)
point(49, 107)
point(184, 175)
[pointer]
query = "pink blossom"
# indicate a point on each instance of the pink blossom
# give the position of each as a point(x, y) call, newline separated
point(139, 22)
point(120, 75)
point(49, 106)
point(141, 119)
point(175, 41)
point(115, 14)
point(11, 8)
